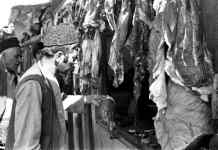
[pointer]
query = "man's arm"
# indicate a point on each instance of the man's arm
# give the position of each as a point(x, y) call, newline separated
point(75, 103)
point(27, 123)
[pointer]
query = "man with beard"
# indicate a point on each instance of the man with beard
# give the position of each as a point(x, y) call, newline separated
point(9, 60)
point(37, 120)
point(10, 55)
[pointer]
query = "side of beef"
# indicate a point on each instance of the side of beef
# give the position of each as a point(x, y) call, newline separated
point(119, 38)
point(190, 55)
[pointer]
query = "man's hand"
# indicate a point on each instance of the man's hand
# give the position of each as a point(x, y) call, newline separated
point(75, 103)
point(92, 99)
point(97, 99)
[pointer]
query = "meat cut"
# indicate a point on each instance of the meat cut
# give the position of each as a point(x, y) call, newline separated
point(137, 46)
point(119, 38)
point(109, 10)
point(189, 54)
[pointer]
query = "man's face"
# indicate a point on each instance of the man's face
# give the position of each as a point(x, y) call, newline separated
point(61, 61)
point(12, 58)
point(62, 68)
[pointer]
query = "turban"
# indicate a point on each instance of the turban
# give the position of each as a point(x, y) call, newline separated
point(8, 43)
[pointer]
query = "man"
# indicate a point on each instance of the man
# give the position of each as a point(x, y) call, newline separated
point(9, 60)
point(37, 120)
point(10, 55)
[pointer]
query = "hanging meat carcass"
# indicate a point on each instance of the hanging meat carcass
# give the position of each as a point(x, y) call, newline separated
point(90, 17)
point(116, 58)
point(91, 54)
point(137, 46)
point(109, 10)
point(96, 55)
point(186, 116)
point(156, 59)
point(91, 47)
point(158, 89)
point(189, 54)
point(86, 64)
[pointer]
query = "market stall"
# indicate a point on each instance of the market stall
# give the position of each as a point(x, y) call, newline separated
point(107, 31)
point(111, 49)
point(150, 56)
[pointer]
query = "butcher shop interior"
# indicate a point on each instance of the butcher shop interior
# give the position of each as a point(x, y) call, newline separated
point(136, 75)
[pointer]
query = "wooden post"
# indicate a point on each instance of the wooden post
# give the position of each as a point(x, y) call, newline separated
point(76, 132)
point(70, 131)
point(93, 126)
point(80, 131)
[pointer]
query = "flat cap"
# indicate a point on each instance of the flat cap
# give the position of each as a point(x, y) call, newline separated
point(60, 35)
point(9, 43)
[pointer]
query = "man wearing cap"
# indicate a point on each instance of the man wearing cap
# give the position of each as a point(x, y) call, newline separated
point(37, 120)
point(9, 61)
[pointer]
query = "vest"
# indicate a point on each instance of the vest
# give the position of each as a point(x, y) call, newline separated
point(51, 129)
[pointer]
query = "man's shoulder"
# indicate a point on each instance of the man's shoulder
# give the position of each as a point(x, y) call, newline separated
point(34, 70)
point(31, 76)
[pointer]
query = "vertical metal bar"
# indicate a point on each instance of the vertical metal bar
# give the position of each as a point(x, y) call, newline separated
point(76, 132)
point(93, 126)
point(84, 130)
point(80, 130)
point(88, 128)
point(70, 131)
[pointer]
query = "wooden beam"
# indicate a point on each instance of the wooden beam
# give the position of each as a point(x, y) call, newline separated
point(71, 130)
